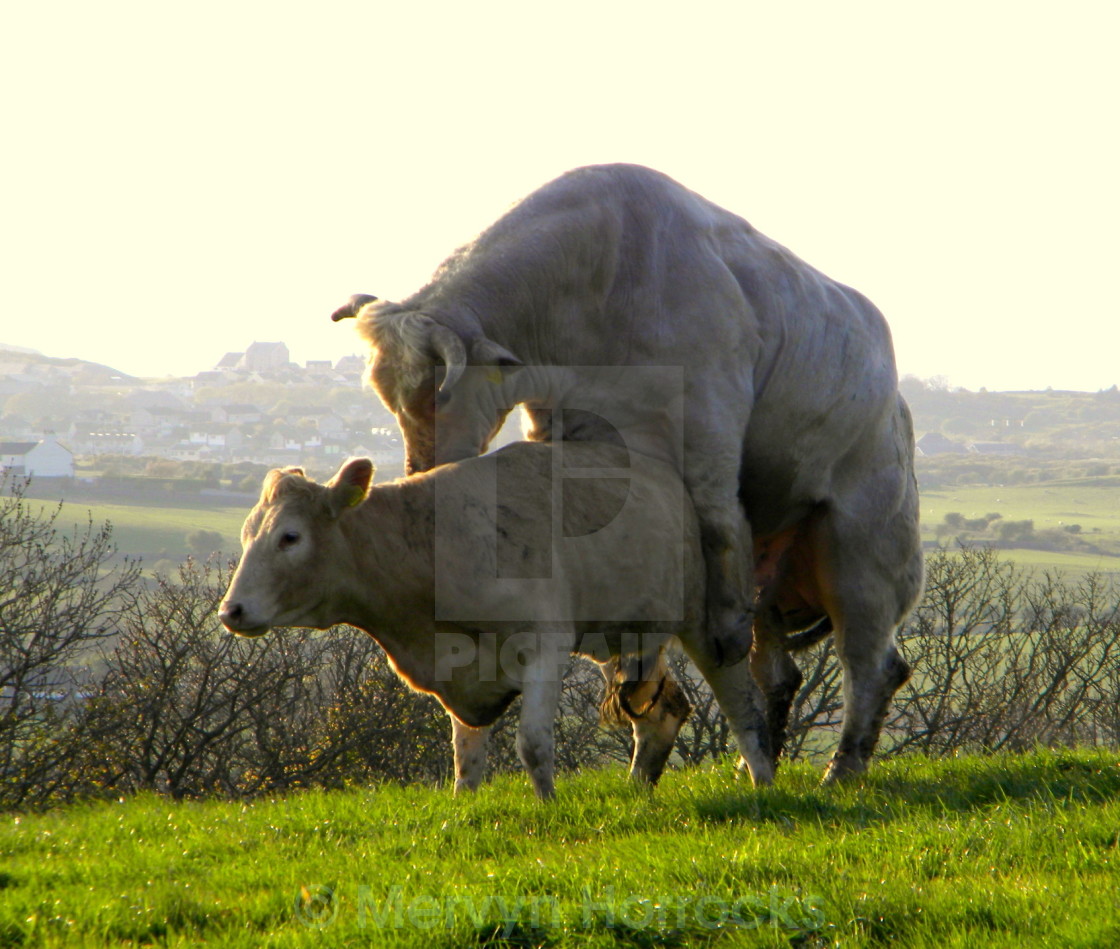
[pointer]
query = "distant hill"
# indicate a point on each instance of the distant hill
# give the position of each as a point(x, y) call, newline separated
point(83, 371)
point(7, 348)
point(1083, 423)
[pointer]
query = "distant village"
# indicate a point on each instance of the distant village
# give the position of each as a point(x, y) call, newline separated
point(256, 406)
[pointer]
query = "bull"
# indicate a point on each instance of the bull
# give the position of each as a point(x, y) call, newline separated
point(787, 425)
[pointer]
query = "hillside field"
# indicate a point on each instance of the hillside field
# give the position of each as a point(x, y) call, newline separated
point(154, 531)
point(1094, 503)
point(999, 852)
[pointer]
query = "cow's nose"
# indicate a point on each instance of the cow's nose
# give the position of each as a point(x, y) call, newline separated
point(231, 614)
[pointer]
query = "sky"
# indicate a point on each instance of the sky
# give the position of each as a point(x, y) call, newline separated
point(180, 180)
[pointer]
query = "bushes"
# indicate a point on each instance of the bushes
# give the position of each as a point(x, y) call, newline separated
point(59, 597)
point(1002, 660)
point(187, 709)
point(111, 684)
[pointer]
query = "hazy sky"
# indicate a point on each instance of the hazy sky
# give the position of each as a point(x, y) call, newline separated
point(180, 180)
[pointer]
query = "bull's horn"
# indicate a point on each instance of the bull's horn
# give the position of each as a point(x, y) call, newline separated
point(350, 307)
point(446, 344)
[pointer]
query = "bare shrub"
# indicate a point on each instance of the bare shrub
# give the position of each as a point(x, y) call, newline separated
point(59, 595)
point(187, 709)
point(110, 684)
point(1004, 660)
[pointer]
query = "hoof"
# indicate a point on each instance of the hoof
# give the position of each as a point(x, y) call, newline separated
point(842, 770)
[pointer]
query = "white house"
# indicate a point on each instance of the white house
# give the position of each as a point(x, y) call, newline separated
point(42, 459)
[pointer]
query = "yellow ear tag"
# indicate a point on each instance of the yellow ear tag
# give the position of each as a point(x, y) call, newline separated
point(493, 375)
point(357, 495)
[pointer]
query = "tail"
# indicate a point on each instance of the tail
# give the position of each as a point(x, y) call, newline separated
point(820, 630)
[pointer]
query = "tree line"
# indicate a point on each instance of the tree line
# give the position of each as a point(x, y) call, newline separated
point(113, 683)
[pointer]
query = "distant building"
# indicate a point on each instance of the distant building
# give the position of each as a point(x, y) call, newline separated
point(934, 443)
point(209, 378)
point(263, 357)
point(230, 361)
point(350, 365)
point(236, 414)
point(108, 442)
point(42, 459)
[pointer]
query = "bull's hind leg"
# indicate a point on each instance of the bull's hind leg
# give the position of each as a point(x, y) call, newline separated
point(872, 579)
point(470, 754)
point(776, 673)
point(713, 457)
point(873, 671)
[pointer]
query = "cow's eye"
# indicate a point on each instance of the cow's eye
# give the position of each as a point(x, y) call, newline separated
point(289, 539)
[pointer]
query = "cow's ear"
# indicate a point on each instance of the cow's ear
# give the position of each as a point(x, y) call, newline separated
point(485, 352)
point(349, 487)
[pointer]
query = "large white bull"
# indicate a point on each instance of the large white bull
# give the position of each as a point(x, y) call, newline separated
point(615, 300)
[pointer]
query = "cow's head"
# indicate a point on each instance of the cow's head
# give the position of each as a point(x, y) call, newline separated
point(291, 547)
point(445, 390)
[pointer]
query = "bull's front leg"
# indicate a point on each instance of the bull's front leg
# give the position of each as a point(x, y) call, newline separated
point(742, 703)
point(725, 537)
point(470, 754)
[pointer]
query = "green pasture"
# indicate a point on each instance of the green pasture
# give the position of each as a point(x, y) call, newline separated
point(154, 531)
point(1094, 503)
point(993, 852)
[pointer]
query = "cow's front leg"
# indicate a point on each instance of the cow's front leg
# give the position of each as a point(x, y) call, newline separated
point(470, 754)
point(540, 704)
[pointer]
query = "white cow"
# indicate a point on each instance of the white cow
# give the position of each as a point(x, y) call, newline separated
point(480, 578)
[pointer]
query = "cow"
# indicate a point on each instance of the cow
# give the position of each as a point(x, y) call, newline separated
point(480, 578)
point(783, 418)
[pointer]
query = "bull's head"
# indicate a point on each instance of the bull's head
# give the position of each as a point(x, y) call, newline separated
point(291, 549)
point(444, 389)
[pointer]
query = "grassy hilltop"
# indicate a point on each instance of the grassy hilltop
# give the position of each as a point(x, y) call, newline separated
point(1003, 851)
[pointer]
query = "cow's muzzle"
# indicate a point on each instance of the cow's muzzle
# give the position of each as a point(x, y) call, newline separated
point(235, 619)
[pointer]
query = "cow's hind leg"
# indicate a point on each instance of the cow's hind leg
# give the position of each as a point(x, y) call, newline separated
point(642, 692)
point(540, 704)
point(655, 729)
point(470, 754)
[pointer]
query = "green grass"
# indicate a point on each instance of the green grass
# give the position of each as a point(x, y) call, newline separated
point(152, 531)
point(1006, 851)
point(1094, 503)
